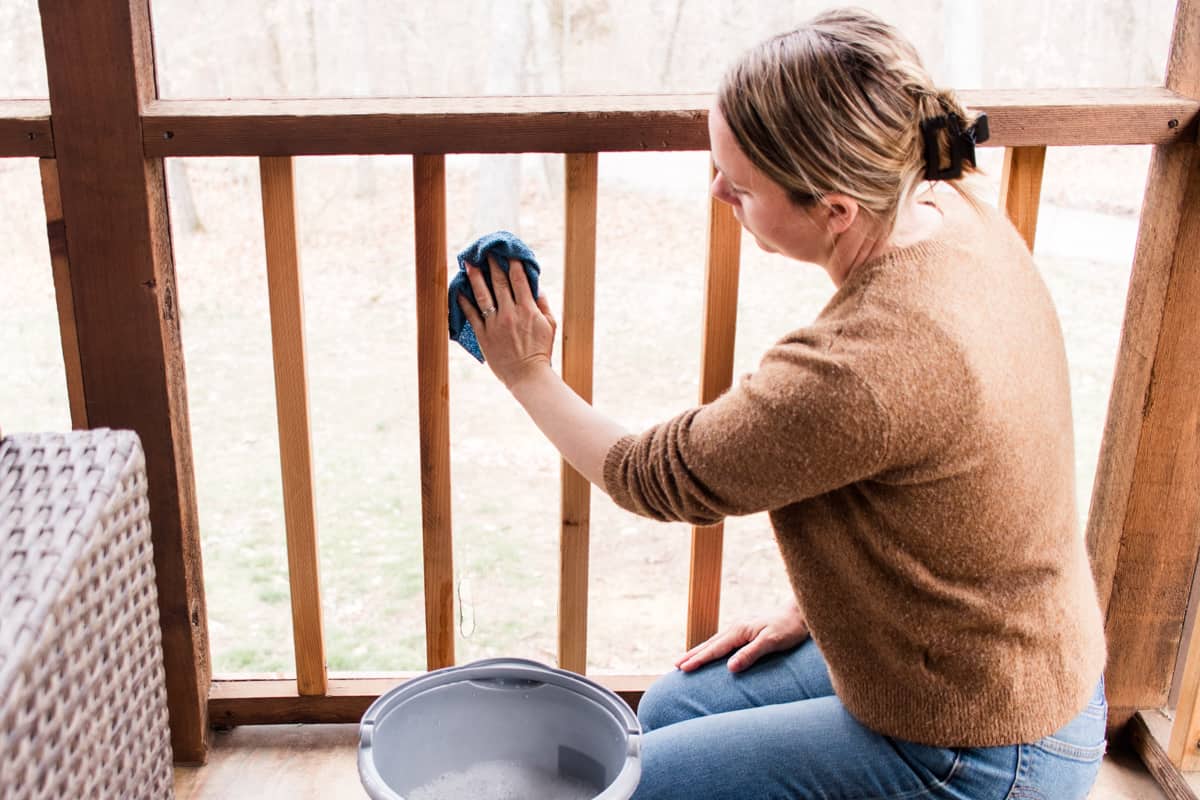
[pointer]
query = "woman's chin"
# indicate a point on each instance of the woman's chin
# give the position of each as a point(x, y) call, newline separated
point(766, 248)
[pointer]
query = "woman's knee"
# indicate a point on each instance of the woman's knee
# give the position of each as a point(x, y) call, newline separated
point(665, 702)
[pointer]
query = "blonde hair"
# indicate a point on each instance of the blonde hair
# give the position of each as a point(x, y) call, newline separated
point(836, 106)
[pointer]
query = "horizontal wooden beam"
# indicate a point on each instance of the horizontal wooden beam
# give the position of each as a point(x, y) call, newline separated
point(275, 701)
point(1148, 732)
point(1059, 117)
point(25, 128)
point(427, 125)
point(606, 123)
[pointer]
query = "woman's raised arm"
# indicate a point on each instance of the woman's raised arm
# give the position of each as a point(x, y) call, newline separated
point(516, 335)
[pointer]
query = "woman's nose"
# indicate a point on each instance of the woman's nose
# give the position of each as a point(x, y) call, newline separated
point(717, 188)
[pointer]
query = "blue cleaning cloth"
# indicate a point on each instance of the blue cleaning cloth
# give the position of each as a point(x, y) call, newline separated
point(503, 245)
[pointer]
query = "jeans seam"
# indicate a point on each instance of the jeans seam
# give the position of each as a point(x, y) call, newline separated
point(1017, 773)
point(926, 790)
point(1074, 752)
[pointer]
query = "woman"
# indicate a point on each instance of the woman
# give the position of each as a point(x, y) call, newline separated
point(913, 447)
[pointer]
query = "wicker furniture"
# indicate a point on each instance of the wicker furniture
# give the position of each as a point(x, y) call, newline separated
point(83, 708)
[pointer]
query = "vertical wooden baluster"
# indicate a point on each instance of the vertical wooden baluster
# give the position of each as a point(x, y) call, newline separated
point(579, 302)
point(1183, 749)
point(60, 267)
point(1021, 188)
point(291, 406)
point(716, 374)
point(433, 381)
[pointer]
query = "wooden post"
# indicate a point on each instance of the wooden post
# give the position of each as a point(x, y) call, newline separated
point(291, 408)
point(1144, 526)
point(716, 374)
point(579, 306)
point(56, 233)
point(100, 68)
point(1021, 188)
point(433, 389)
point(1183, 750)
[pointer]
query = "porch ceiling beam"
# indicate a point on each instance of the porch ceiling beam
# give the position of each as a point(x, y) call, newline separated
point(604, 123)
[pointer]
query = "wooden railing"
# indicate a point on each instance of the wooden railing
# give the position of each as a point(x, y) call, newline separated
point(114, 280)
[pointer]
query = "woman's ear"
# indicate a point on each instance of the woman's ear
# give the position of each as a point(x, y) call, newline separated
point(840, 212)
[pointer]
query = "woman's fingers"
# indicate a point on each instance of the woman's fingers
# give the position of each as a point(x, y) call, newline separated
point(686, 656)
point(513, 285)
point(471, 314)
point(765, 642)
point(522, 291)
point(483, 295)
point(708, 643)
point(544, 306)
point(717, 647)
point(783, 633)
point(500, 283)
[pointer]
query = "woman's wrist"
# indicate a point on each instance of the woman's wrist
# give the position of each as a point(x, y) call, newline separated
point(529, 378)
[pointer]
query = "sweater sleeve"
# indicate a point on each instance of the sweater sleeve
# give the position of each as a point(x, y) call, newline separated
point(803, 424)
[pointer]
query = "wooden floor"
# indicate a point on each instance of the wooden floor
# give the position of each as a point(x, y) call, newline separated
point(307, 762)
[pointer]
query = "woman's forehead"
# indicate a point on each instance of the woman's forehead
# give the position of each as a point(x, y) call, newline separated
point(726, 154)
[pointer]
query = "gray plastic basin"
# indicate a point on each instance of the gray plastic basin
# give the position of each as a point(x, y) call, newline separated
point(502, 709)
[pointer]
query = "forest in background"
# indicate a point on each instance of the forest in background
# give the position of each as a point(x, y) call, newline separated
point(356, 222)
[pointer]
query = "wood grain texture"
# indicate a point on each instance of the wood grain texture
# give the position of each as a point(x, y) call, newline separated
point(311, 762)
point(1146, 732)
point(291, 407)
point(277, 762)
point(56, 234)
point(433, 380)
point(584, 124)
point(1154, 255)
point(100, 71)
point(1021, 189)
point(1144, 525)
point(1160, 530)
point(25, 129)
point(1183, 746)
point(1183, 59)
point(276, 701)
point(578, 333)
point(716, 375)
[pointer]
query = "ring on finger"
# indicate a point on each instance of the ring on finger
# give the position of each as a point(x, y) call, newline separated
point(487, 312)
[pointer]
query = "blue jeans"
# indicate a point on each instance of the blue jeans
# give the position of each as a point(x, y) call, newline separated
point(778, 731)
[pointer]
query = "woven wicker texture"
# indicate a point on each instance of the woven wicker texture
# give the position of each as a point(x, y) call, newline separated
point(83, 705)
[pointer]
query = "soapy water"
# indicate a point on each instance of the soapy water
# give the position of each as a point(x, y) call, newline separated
point(502, 780)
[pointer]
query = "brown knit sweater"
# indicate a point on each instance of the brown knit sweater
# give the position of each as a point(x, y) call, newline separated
point(914, 449)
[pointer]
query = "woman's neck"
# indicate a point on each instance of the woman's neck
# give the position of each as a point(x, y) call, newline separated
point(918, 220)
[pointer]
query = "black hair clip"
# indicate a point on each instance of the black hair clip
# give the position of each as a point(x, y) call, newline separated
point(962, 144)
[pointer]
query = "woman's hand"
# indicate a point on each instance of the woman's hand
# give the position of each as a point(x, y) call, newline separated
point(515, 331)
point(752, 640)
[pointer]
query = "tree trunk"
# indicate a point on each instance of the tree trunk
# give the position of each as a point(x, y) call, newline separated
point(179, 198)
point(963, 42)
point(548, 20)
point(498, 192)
